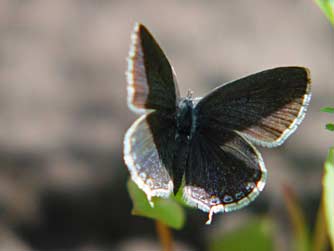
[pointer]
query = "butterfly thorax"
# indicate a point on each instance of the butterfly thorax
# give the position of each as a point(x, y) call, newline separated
point(184, 121)
point(184, 117)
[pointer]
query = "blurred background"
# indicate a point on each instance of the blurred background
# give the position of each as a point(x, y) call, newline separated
point(63, 112)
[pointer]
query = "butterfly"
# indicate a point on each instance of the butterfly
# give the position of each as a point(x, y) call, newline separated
point(206, 145)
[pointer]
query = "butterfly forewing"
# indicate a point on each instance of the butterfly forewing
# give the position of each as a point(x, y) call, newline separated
point(224, 173)
point(151, 79)
point(266, 107)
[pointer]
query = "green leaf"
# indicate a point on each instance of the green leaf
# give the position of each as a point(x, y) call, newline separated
point(327, 109)
point(330, 127)
point(328, 194)
point(257, 234)
point(167, 211)
point(327, 6)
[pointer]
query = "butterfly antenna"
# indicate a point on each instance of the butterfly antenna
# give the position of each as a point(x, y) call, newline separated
point(190, 94)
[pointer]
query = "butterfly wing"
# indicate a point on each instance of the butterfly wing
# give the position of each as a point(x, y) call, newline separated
point(149, 148)
point(151, 79)
point(266, 107)
point(224, 172)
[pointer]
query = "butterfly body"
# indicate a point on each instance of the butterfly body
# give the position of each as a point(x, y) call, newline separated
point(206, 143)
point(185, 118)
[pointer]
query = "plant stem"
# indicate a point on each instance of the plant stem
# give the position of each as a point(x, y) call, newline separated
point(164, 235)
point(297, 218)
point(320, 235)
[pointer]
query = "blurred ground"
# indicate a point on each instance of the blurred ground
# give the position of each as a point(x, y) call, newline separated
point(63, 111)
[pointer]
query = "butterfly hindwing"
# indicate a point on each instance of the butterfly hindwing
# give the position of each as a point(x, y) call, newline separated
point(151, 79)
point(266, 107)
point(149, 152)
point(224, 173)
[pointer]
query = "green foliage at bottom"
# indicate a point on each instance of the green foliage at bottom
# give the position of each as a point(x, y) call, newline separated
point(257, 234)
point(167, 211)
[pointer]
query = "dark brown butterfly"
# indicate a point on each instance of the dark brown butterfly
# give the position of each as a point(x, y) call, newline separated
point(206, 144)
